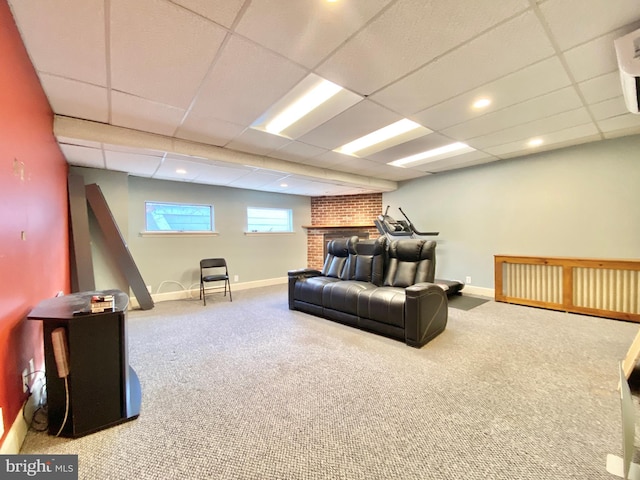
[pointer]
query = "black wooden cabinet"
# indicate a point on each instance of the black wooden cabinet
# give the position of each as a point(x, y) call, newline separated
point(103, 390)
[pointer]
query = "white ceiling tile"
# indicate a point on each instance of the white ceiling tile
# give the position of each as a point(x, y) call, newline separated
point(361, 119)
point(307, 30)
point(576, 21)
point(76, 99)
point(593, 58)
point(142, 114)
point(297, 151)
point(83, 156)
point(620, 122)
point(244, 82)
point(206, 129)
point(399, 41)
point(223, 12)
point(65, 37)
point(534, 109)
point(505, 49)
point(609, 108)
point(257, 142)
point(396, 174)
point(537, 128)
point(460, 161)
point(256, 179)
point(537, 79)
point(563, 137)
point(160, 51)
point(601, 88)
point(217, 175)
point(135, 163)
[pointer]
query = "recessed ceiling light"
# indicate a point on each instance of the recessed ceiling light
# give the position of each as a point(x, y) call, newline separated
point(481, 103)
point(181, 171)
point(434, 154)
point(284, 185)
point(535, 142)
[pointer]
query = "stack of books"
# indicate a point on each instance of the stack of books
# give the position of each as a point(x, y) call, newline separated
point(102, 303)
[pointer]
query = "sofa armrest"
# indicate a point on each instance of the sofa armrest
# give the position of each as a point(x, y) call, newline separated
point(294, 276)
point(426, 313)
point(304, 273)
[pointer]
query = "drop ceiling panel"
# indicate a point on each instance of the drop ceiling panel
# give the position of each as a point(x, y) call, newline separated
point(134, 163)
point(620, 122)
point(534, 109)
point(609, 108)
point(83, 156)
point(297, 151)
point(244, 82)
point(257, 142)
point(361, 119)
point(601, 88)
point(396, 174)
point(255, 179)
point(307, 30)
point(537, 79)
point(593, 58)
point(505, 49)
point(218, 175)
point(576, 21)
point(141, 114)
point(207, 129)
point(464, 160)
point(537, 128)
point(65, 38)
point(402, 42)
point(223, 12)
point(76, 99)
point(563, 137)
point(177, 47)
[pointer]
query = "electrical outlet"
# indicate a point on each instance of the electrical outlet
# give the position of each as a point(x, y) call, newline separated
point(149, 288)
point(468, 280)
point(236, 278)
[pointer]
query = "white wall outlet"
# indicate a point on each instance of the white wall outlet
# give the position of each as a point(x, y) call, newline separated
point(468, 280)
point(236, 278)
point(25, 380)
point(149, 288)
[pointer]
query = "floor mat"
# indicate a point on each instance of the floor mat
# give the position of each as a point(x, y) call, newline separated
point(464, 302)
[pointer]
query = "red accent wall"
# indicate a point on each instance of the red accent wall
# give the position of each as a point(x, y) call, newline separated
point(34, 253)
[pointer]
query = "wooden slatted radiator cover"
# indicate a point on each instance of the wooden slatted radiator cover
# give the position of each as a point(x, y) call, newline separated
point(599, 287)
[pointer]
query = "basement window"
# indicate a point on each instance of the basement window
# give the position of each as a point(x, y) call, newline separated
point(269, 220)
point(181, 218)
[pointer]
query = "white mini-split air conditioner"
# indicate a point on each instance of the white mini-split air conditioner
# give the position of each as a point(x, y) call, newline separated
point(628, 53)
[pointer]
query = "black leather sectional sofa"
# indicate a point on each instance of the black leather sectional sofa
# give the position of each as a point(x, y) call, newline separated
point(381, 286)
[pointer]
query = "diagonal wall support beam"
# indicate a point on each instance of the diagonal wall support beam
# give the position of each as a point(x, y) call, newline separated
point(117, 246)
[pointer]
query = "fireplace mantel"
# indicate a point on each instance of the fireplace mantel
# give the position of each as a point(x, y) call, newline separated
point(320, 227)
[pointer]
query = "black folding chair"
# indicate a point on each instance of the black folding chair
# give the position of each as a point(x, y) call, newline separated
point(214, 270)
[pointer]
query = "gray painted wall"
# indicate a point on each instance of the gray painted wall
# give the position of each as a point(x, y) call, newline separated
point(581, 201)
point(170, 263)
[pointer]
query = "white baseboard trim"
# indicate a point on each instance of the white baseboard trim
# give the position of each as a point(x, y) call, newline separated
point(18, 431)
point(194, 293)
point(481, 291)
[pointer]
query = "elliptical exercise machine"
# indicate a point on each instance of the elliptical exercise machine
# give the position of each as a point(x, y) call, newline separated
point(397, 229)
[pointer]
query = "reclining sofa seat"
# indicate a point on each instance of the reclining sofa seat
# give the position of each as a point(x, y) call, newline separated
point(382, 287)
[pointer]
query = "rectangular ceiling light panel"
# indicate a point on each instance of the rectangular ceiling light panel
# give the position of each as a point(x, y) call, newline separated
point(446, 151)
point(312, 102)
point(394, 134)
